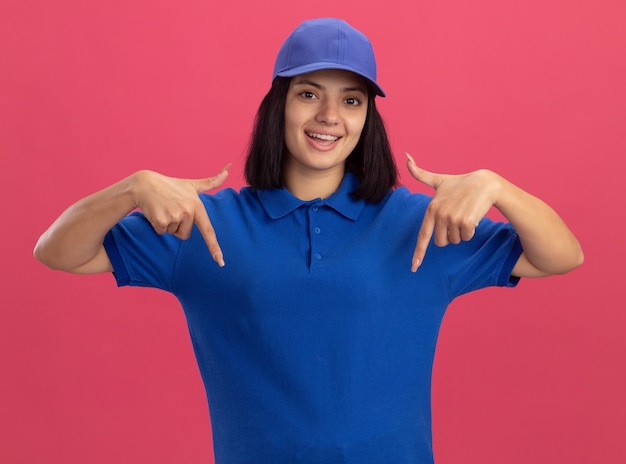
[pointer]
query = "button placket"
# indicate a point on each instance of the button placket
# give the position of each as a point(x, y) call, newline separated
point(315, 237)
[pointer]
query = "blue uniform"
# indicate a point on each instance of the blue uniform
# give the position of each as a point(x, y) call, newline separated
point(315, 342)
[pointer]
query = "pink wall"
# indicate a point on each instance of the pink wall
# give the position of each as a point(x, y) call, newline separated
point(92, 91)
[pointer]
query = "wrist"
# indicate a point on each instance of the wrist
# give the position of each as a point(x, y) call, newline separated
point(496, 187)
point(492, 185)
point(134, 186)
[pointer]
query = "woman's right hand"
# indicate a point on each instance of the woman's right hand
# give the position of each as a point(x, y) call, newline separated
point(172, 205)
point(74, 242)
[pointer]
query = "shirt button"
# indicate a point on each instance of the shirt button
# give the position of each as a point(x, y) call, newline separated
point(318, 256)
point(318, 230)
point(315, 208)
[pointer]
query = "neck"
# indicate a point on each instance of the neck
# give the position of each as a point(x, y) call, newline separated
point(311, 185)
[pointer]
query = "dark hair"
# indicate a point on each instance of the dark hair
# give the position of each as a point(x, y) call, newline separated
point(371, 160)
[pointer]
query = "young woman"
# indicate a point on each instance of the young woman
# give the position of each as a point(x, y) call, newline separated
point(314, 296)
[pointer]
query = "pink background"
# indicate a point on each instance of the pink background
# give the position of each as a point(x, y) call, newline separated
point(91, 91)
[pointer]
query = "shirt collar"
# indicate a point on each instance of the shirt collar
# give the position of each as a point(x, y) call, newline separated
point(280, 202)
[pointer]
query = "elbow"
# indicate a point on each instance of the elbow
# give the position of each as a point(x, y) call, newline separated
point(41, 254)
point(576, 260)
point(580, 258)
point(38, 251)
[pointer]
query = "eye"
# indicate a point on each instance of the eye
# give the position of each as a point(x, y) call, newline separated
point(353, 101)
point(307, 95)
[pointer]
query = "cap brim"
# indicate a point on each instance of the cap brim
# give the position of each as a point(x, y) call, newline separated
point(308, 68)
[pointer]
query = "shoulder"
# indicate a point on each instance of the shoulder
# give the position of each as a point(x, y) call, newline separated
point(229, 197)
point(228, 194)
point(402, 199)
point(400, 211)
point(229, 206)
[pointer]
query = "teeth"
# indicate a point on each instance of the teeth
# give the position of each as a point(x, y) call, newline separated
point(330, 138)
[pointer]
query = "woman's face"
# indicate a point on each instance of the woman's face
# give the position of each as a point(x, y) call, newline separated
point(324, 116)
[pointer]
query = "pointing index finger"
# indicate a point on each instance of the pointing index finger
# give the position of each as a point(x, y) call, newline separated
point(202, 221)
point(423, 239)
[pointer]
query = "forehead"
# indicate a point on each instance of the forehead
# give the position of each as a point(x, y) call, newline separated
point(331, 78)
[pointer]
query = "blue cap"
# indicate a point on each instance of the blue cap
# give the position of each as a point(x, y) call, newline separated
point(327, 43)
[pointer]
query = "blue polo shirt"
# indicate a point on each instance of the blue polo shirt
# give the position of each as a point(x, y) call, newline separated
point(315, 342)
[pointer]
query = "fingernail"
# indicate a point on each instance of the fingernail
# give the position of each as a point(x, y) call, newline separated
point(414, 265)
point(219, 259)
point(410, 158)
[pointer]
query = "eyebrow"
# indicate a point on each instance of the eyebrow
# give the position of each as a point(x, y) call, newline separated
point(304, 81)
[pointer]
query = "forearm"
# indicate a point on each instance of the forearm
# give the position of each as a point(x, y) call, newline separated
point(76, 237)
point(549, 245)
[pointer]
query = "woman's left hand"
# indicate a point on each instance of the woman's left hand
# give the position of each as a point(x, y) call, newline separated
point(461, 201)
point(458, 205)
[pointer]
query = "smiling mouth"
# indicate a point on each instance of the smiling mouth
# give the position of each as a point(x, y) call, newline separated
point(323, 137)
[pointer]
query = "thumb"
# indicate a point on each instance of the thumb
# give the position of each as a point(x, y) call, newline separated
point(431, 179)
point(210, 183)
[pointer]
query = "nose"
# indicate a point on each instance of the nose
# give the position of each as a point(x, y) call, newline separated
point(328, 113)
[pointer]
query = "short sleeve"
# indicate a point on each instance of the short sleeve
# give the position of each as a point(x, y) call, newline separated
point(140, 256)
point(486, 260)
